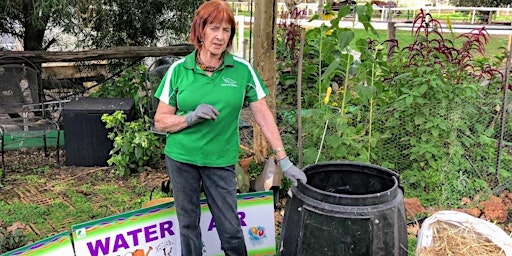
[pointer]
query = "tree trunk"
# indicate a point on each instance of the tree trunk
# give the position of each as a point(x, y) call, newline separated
point(34, 33)
point(33, 40)
point(265, 64)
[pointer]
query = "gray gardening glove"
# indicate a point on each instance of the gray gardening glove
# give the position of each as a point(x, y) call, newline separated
point(291, 171)
point(202, 112)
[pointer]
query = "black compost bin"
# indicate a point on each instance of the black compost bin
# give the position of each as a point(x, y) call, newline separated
point(346, 208)
point(85, 135)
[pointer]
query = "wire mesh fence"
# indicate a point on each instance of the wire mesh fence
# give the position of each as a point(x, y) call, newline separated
point(443, 151)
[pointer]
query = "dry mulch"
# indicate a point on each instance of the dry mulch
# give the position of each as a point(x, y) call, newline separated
point(453, 240)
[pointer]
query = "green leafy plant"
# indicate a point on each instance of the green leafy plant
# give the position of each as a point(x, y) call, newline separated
point(287, 52)
point(135, 146)
point(255, 169)
point(337, 128)
point(21, 212)
point(129, 84)
point(244, 152)
point(437, 95)
point(428, 111)
point(12, 237)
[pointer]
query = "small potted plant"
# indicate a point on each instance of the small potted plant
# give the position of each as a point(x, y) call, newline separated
point(245, 157)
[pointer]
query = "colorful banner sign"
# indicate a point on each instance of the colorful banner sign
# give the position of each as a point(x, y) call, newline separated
point(154, 230)
point(256, 213)
point(136, 233)
point(59, 244)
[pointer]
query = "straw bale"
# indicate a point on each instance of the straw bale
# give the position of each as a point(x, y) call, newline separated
point(452, 240)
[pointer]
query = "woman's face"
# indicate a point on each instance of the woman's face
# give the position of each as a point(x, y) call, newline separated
point(216, 37)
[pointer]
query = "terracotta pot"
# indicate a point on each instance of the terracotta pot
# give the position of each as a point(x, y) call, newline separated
point(245, 163)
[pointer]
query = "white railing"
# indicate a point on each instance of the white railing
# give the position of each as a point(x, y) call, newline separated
point(240, 45)
point(312, 8)
point(385, 12)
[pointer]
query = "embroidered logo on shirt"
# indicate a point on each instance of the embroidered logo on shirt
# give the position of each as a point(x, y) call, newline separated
point(229, 82)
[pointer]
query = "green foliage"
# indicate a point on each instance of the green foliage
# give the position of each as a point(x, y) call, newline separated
point(420, 110)
point(98, 24)
point(10, 238)
point(135, 22)
point(287, 52)
point(412, 243)
point(135, 146)
point(22, 212)
point(434, 106)
point(356, 84)
point(255, 169)
point(34, 17)
point(244, 152)
point(98, 194)
point(481, 3)
point(328, 60)
point(129, 84)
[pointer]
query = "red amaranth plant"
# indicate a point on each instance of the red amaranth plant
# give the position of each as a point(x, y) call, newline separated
point(289, 25)
point(430, 47)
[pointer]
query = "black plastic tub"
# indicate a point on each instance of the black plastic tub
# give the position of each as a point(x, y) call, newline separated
point(86, 138)
point(346, 208)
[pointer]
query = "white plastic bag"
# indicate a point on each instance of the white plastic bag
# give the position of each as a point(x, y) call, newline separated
point(483, 227)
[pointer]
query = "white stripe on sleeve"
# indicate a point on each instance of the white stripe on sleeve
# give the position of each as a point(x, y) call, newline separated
point(260, 93)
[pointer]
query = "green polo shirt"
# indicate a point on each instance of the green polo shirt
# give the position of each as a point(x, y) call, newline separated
point(186, 85)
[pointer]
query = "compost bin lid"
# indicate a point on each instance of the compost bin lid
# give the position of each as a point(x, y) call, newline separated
point(100, 105)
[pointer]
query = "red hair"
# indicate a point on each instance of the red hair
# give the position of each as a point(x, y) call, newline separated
point(211, 12)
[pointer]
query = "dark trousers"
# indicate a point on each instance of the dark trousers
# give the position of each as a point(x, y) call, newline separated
point(219, 185)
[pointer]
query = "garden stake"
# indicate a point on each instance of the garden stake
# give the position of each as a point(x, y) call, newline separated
point(299, 97)
point(325, 130)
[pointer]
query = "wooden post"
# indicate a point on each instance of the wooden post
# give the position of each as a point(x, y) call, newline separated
point(320, 8)
point(241, 38)
point(391, 37)
point(265, 63)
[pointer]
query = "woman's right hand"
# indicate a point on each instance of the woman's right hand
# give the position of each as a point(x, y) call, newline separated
point(201, 113)
point(292, 172)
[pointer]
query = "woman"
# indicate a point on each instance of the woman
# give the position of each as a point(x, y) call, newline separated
point(201, 97)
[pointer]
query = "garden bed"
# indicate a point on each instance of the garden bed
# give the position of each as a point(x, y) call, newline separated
point(48, 198)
